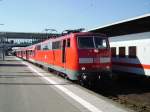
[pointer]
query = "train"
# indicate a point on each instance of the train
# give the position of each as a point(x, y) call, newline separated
point(130, 54)
point(79, 56)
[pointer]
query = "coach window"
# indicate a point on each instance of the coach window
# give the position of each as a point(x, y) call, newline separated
point(121, 51)
point(38, 47)
point(113, 51)
point(68, 42)
point(132, 51)
point(30, 53)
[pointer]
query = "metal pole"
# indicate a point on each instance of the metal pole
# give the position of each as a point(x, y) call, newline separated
point(2, 41)
point(3, 47)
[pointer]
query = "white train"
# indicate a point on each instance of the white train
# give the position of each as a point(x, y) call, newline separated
point(131, 53)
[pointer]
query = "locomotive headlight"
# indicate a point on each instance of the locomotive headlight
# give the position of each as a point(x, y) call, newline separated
point(96, 50)
point(107, 67)
point(83, 68)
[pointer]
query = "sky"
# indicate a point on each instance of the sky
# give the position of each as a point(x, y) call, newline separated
point(38, 15)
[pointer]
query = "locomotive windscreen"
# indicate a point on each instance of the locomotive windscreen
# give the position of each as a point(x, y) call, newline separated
point(92, 42)
point(85, 42)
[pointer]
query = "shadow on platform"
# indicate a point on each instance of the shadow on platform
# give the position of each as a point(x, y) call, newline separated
point(9, 60)
point(29, 84)
point(23, 76)
point(12, 65)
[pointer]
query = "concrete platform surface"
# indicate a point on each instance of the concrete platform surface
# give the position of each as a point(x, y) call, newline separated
point(26, 88)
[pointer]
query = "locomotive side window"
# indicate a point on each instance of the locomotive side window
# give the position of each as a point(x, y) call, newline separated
point(132, 51)
point(113, 51)
point(85, 42)
point(121, 51)
point(45, 46)
point(68, 42)
point(56, 45)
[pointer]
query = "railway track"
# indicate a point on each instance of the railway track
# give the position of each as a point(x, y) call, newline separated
point(133, 93)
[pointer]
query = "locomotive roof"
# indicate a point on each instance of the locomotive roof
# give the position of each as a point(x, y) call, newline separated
point(32, 47)
point(71, 34)
point(128, 26)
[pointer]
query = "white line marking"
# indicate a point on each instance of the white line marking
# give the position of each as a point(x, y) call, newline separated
point(83, 102)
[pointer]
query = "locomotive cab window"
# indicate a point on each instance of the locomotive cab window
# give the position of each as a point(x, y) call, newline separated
point(85, 42)
point(132, 51)
point(92, 42)
point(100, 42)
point(121, 51)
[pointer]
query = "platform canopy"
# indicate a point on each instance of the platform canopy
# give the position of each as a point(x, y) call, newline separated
point(128, 26)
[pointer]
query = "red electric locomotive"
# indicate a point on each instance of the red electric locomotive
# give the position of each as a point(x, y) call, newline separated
point(80, 56)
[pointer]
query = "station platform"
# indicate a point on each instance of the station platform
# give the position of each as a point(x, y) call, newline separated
point(25, 87)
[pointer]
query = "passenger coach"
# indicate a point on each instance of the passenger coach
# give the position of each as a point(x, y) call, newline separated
point(129, 41)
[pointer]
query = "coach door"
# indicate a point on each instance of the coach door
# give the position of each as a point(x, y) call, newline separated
point(64, 53)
